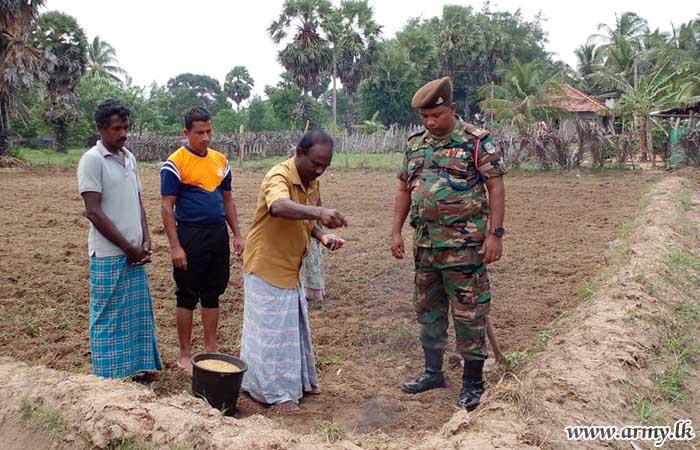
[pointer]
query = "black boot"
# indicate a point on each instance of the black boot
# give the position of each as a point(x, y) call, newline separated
point(472, 384)
point(432, 378)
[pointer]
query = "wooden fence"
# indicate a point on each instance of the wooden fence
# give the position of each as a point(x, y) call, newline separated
point(240, 146)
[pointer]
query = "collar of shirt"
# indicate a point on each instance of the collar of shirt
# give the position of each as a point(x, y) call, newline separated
point(195, 152)
point(104, 152)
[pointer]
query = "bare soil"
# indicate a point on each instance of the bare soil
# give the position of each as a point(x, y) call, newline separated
point(17, 437)
point(364, 332)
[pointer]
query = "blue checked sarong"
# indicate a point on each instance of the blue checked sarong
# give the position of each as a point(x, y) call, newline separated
point(276, 342)
point(122, 327)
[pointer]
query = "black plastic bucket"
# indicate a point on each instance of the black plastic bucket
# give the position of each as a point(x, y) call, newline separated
point(218, 388)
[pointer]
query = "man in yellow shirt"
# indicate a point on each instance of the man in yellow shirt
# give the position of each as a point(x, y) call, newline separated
point(276, 339)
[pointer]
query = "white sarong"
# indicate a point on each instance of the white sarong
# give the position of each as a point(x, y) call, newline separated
point(276, 342)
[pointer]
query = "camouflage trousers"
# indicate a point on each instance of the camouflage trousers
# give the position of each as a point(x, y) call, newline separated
point(458, 278)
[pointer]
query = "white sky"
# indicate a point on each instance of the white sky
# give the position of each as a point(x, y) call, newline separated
point(156, 40)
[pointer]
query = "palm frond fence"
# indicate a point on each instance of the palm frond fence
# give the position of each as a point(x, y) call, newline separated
point(550, 148)
point(152, 147)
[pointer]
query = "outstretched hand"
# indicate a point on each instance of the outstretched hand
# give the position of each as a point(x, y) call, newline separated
point(332, 242)
point(330, 218)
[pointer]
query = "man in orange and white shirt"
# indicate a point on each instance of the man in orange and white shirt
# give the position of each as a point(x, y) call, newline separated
point(196, 206)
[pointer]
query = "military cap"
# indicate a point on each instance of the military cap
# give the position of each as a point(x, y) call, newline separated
point(433, 94)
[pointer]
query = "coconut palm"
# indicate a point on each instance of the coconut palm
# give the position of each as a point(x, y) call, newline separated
point(20, 64)
point(686, 38)
point(238, 85)
point(102, 60)
point(522, 97)
point(587, 62)
point(685, 53)
point(62, 39)
point(618, 47)
point(628, 25)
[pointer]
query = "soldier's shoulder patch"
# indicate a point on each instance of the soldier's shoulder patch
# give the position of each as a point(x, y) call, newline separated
point(415, 135)
point(415, 153)
point(419, 133)
point(475, 131)
point(489, 147)
point(415, 141)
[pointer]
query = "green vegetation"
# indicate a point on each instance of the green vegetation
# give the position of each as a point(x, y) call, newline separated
point(341, 161)
point(497, 61)
point(39, 417)
point(369, 161)
point(586, 289)
point(331, 431)
point(515, 359)
point(133, 443)
point(679, 351)
point(324, 360)
point(51, 157)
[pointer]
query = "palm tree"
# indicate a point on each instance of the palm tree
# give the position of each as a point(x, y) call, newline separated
point(238, 85)
point(654, 91)
point(685, 53)
point(522, 98)
point(60, 37)
point(355, 48)
point(628, 25)
point(622, 58)
point(587, 62)
point(102, 60)
point(618, 47)
point(20, 64)
point(686, 38)
point(308, 55)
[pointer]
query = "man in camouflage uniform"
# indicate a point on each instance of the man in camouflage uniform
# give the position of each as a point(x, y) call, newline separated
point(446, 172)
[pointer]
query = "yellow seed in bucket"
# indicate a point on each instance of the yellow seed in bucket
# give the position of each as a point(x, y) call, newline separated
point(216, 365)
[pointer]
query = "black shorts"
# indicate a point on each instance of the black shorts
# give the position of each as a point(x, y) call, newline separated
point(208, 257)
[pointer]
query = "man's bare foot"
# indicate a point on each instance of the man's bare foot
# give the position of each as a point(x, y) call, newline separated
point(184, 362)
point(314, 391)
point(288, 407)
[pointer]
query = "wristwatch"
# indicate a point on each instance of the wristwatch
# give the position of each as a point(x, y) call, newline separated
point(499, 232)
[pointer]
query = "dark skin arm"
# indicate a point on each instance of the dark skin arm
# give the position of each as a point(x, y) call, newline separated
point(329, 240)
point(492, 248)
point(288, 209)
point(402, 206)
point(177, 253)
point(232, 220)
point(93, 211)
point(146, 234)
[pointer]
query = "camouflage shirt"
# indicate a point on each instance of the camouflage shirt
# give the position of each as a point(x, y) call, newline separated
point(449, 208)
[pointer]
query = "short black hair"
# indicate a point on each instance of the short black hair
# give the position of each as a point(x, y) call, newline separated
point(196, 114)
point(109, 108)
point(314, 137)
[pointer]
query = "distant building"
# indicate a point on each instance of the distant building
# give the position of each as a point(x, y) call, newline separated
point(580, 104)
point(576, 105)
